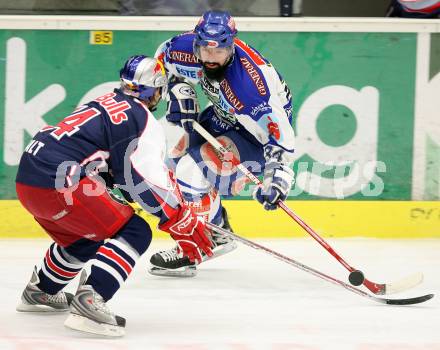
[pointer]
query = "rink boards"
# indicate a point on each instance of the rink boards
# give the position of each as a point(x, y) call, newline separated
point(358, 137)
point(379, 219)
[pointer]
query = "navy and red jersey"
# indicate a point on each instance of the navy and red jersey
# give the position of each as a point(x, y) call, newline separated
point(115, 137)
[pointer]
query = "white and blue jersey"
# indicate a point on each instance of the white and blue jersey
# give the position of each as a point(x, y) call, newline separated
point(252, 99)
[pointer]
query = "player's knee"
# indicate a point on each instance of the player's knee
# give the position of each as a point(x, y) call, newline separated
point(82, 250)
point(190, 176)
point(137, 233)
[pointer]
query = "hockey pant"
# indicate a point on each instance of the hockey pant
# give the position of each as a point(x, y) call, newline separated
point(94, 228)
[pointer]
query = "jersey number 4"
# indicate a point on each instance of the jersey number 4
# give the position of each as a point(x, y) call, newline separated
point(71, 124)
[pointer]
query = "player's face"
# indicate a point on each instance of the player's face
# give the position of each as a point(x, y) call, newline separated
point(214, 57)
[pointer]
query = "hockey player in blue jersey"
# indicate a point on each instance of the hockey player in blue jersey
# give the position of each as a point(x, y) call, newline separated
point(249, 112)
point(63, 180)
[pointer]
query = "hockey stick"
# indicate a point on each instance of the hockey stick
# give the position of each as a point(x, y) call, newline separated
point(297, 264)
point(356, 277)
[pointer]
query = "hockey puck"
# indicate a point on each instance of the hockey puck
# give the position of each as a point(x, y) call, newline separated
point(356, 278)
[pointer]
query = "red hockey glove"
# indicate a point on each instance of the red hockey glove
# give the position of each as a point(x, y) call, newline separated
point(189, 231)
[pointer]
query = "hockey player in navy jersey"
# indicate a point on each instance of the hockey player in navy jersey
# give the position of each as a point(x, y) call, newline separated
point(63, 181)
point(249, 113)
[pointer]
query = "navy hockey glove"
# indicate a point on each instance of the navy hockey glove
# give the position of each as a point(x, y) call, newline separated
point(277, 181)
point(183, 107)
point(276, 185)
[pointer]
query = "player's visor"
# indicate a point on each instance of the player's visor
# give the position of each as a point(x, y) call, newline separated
point(213, 54)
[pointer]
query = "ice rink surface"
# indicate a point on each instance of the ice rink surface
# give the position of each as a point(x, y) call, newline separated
point(244, 300)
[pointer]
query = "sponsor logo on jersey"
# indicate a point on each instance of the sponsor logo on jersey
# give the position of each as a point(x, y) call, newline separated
point(223, 120)
point(254, 75)
point(187, 72)
point(181, 56)
point(223, 110)
point(208, 87)
point(230, 96)
point(114, 109)
point(262, 107)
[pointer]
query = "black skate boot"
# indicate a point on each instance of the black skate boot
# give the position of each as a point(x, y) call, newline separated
point(172, 263)
point(33, 299)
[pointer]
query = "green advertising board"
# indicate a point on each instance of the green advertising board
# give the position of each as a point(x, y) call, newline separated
point(364, 103)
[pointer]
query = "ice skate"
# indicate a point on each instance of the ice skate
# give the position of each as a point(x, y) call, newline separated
point(172, 263)
point(33, 299)
point(89, 313)
point(222, 244)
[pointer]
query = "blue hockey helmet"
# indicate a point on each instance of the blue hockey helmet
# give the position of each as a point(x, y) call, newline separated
point(141, 76)
point(215, 29)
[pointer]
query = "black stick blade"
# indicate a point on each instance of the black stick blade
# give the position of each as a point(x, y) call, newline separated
point(410, 301)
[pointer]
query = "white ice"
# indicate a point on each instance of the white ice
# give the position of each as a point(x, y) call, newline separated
point(244, 300)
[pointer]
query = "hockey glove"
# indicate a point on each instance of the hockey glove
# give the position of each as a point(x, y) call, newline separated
point(189, 231)
point(183, 106)
point(277, 181)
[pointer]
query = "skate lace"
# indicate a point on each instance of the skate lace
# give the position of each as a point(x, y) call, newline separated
point(170, 255)
point(100, 305)
point(59, 298)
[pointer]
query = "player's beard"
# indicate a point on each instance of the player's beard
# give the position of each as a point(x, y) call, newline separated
point(217, 73)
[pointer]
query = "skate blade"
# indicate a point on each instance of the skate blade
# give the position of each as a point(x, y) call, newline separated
point(222, 250)
point(38, 308)
point(86, 325)
point(187, 271)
